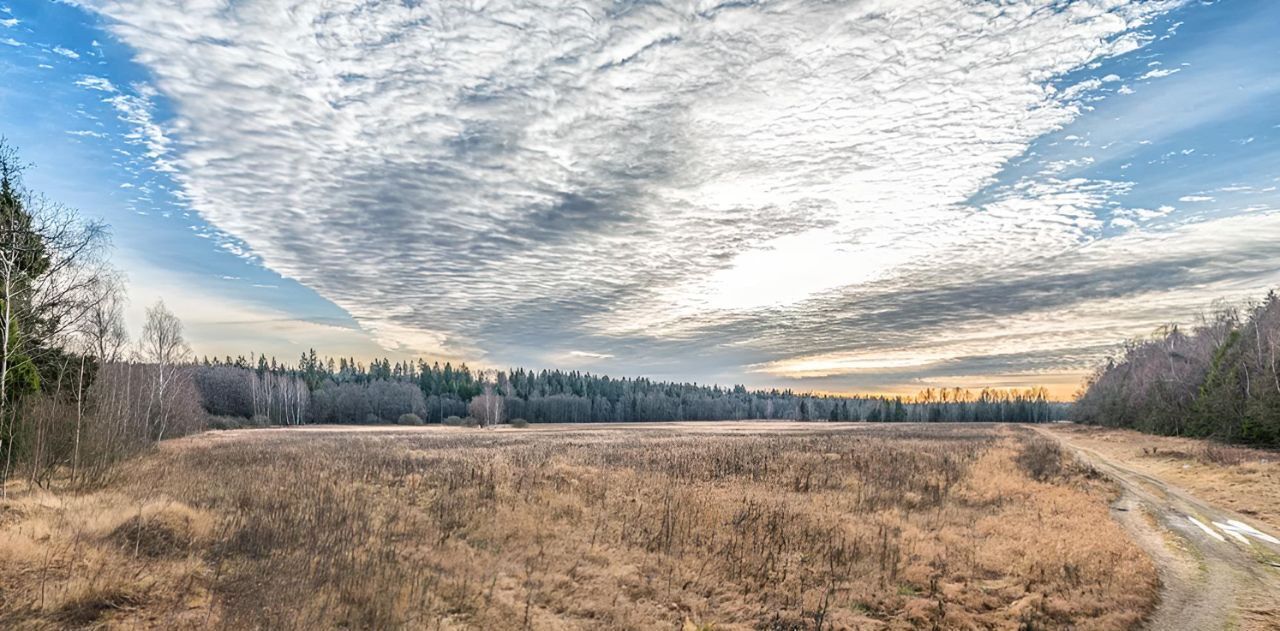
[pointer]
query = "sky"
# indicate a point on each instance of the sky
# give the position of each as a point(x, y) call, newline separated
point(862, 196)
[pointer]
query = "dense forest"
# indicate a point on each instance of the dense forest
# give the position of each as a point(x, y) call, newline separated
point(345, 391)
point(77, 393)
point(1220, 379)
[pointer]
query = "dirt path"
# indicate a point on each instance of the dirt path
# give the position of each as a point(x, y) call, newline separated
point(1217, 571)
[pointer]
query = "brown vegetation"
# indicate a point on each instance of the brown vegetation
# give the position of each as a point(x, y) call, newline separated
point(1242, 479)
point(949, 527)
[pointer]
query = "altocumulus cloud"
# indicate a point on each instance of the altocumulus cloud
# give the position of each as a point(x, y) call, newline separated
point(705, 189)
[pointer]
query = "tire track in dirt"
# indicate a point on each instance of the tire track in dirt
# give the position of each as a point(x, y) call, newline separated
point(1213, 574)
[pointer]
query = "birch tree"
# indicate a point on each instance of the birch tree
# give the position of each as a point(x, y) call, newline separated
point(487, 406)
point(103, 328)
point(163, 345)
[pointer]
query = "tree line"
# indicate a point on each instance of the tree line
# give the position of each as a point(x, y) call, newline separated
point(346, 391)
point(1219, 379)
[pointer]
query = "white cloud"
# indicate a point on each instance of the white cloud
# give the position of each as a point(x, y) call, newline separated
point(1195, 198)
point(590, 355)
point(1146, 214)
point(66, 52)
point(100, 84)
point(136, 111)
point(1239, 243)
point(581, 175)
point(1158, 73)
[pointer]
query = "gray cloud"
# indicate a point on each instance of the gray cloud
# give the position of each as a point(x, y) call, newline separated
point(692, 189)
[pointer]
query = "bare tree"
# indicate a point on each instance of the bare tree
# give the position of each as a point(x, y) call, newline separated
point(279, 398)
point(103, 328)
point(487, 406)
point(163, 345)
point(102, 335)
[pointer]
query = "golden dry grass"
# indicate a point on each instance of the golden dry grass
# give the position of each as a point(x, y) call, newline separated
point(1238, 478)
point(886, 527)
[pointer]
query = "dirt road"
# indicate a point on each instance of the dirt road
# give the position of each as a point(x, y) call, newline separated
point(1217, 570)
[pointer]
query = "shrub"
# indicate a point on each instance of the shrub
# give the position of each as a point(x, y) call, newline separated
point(454, 421)
point(471, 421)
point(260, 420)
point(1041, 458)
point(223, 422)
point(409, 419)
point(372, 419)
point(1224, 455)
point(519, 423)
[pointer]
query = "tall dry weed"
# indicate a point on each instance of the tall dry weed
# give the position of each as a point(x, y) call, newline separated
point(891, 527)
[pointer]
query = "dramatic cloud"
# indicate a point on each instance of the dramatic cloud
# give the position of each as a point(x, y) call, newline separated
point(705, 190)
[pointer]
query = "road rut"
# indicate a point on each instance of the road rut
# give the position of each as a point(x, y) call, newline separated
point(1217, 570)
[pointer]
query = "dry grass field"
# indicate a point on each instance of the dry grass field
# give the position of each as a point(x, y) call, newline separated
point(865, 527)
point(1238, 478)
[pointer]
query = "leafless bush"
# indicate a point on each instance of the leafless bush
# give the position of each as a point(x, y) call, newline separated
point(1041, 458)
point(1226, 455)
point(81, 435)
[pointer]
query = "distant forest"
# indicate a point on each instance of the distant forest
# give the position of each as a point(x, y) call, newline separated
point(325, 390)
point(1220, 379)
point(78, 394)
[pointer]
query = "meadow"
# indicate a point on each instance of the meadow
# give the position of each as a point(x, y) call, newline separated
point(751, 527)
